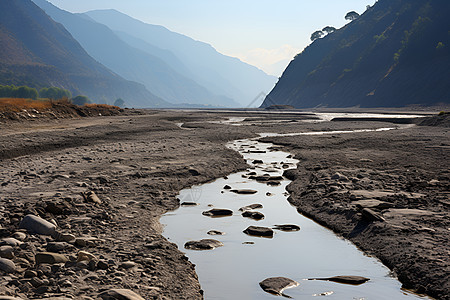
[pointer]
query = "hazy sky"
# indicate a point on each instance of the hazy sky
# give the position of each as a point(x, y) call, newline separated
point(260, 32)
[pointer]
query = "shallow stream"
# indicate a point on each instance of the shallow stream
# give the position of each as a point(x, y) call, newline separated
point(234, 270)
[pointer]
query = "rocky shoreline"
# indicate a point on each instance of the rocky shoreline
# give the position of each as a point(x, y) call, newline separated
point(110, 241)
point(386, 192)
point(104, 182)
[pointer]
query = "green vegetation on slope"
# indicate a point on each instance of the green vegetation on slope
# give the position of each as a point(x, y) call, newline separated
point(395, 54)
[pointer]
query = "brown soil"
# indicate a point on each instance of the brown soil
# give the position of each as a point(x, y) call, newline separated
point(138, 163)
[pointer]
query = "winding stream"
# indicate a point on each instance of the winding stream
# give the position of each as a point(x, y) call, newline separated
point(234, 270)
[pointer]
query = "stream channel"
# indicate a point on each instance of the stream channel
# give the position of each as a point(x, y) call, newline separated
point(234, 270)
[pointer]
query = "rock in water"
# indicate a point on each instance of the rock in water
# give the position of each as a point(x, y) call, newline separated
point(276, 285)
point(7, 265)
point(218, 212)
point(215, 232)
point(35, 224)
point(189, 204)
point(251, 207)
point(120, 294)
point(255, 215)
point(355, 280)
point(287, 227)
point(244, 192)
point(206, 244)
point(259, 231)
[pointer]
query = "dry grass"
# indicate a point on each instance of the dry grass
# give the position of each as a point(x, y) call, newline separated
point(94, 105)
point(19, 104)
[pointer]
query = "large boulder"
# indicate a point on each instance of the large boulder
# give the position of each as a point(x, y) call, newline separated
point(35, 224)
point(276, 285)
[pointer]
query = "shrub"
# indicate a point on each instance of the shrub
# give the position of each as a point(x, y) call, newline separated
point(80, 100)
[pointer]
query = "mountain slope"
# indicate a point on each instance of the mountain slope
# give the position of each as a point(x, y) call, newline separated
point(397, 53)
point(221, 74)
point(133, 64)
point(42, 53)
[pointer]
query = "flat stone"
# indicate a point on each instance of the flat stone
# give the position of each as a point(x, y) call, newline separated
point(255, 215)
point(189, 204)
point(227, 187)
point(85, 256)
point(127, 265)
point(57, 246)
point(7, 265)
point(372, 203)
point(355, 280)
point(205, 244)
point(120, 294)
point(276, 285)
point(402, 212)
point(259, 231)
point(35, 224)
point(215, 232)
point(67, 237)
point(10, 241)
point(50, 258)
point(377, 194)
point(218, 212)
point(244, 191)
point(251, 207)
point(287, 227)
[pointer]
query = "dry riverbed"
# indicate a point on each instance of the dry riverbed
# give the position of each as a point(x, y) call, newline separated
point(137, 164)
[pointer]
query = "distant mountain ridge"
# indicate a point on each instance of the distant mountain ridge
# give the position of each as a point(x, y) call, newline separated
point(396, 54)
point(39, 52)
point(221, 74)
point(135, 64)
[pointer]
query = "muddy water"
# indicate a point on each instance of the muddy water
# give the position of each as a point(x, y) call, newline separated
point(234, 270)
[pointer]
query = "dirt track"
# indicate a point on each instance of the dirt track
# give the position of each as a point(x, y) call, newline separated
point(136, 164)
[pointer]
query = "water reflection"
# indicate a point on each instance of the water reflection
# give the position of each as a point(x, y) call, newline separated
point(234, 270)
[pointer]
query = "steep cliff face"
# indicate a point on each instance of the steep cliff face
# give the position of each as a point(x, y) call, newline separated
point(40, 52)
point(396, 54)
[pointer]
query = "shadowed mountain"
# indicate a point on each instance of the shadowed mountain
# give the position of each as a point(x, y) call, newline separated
point(222, 74)
point(39, 52)
point(134, 64)
point(396, 54)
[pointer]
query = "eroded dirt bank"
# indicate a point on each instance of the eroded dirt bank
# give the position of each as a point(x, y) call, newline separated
point(401, 176)
point(137, 164)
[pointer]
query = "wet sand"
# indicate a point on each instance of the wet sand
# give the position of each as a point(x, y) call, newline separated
point(137, 164)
